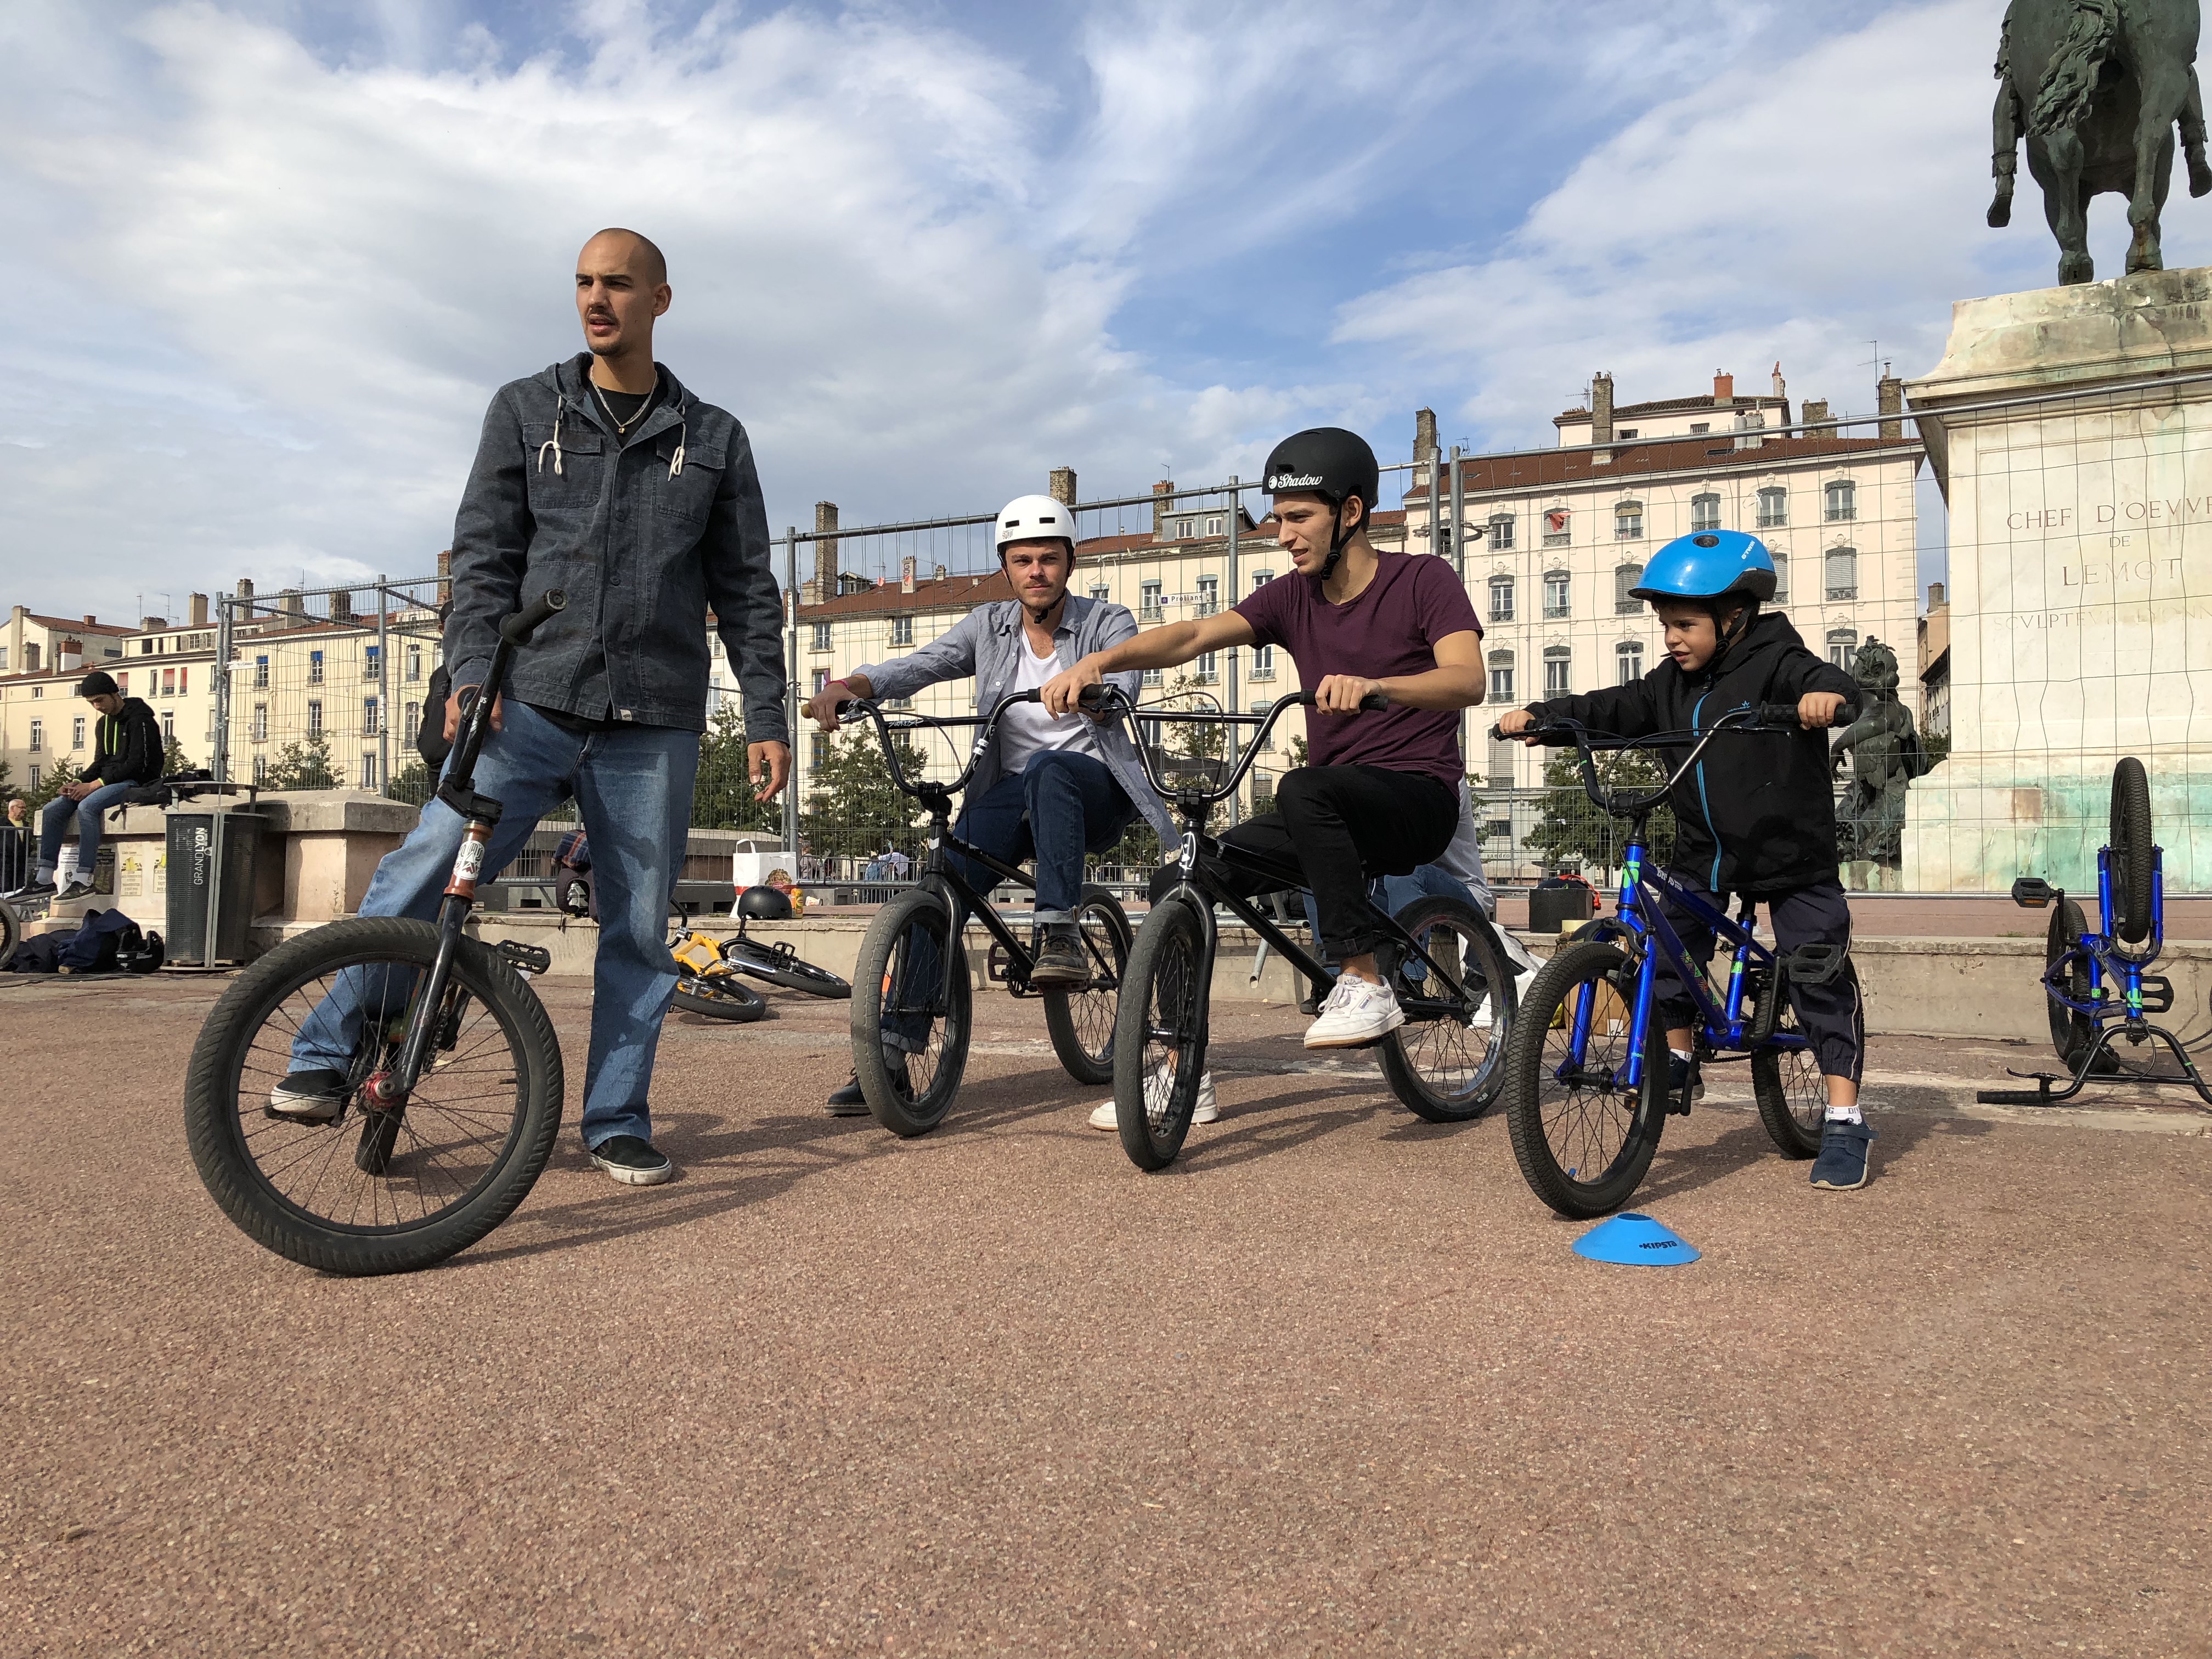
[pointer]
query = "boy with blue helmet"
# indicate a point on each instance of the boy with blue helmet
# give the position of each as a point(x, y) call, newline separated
point(1756, 816)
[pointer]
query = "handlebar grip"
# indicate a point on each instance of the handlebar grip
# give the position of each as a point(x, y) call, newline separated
point(517, 629)
point(1785, 713)
point(1091, 697)
point(1373, 703)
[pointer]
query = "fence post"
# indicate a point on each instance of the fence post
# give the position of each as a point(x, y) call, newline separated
point(219, 760)
point(383, 689)
point(791, 694)
point(1459, 566)
point(1236, 801)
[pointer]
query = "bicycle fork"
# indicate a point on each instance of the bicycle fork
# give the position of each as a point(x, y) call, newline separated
point(388, 1089)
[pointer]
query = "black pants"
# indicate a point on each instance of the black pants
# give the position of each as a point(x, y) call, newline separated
point(1827, 1014)
point(1344, 825)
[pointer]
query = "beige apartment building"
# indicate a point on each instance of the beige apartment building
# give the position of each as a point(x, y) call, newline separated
point(42, 721)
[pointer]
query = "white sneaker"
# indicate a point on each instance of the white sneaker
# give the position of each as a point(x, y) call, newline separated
point(1206, 1111)
point(1520, 984)
point(1357, 1012)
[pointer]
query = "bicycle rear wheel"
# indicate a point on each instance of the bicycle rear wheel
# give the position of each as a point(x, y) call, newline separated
point(1581, 1138)
point(1787, 1083)
point(1159, 1048)
point(910, 1021)
point(1445, 1069)
point(11, 931)
point(781, 967)
point(414, 1185)
point(1081, 1022)
point(2130, 859)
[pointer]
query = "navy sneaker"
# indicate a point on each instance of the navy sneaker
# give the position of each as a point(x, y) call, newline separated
point(1685, 1083)
point(1842, 1164)
point(631, 1160)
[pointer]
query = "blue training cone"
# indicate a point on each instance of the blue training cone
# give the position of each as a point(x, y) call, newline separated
point(1635, 1241)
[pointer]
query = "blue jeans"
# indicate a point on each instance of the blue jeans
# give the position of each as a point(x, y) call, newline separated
point(1059, 806)
point(90, 813)
point(633, 791)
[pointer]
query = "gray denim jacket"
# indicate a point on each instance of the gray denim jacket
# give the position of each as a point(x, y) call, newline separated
point(986, 643)
point(645, 536)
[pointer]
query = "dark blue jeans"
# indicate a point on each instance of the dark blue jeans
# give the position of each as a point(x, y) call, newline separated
point(1059, 806)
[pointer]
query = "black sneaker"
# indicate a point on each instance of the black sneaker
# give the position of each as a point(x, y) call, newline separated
point(1842, 1164)
point(30, 890)
point(1060, 958)
point(632, 1161)
point(310, 1096)
point(849, 1102)
point(73, 892)
point(1686, 1082)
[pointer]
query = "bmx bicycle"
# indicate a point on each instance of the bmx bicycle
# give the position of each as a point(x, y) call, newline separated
point(711, 984)
point(2089, 1015)
point(912, 1001)
point(453, 1093)
point(1440, 956)
point(1586, 1085)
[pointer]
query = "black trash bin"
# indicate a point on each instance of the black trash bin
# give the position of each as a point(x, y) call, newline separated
point(1557, 899)
point(212, 860)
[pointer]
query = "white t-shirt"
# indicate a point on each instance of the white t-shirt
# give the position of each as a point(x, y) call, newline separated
point(1027, 728)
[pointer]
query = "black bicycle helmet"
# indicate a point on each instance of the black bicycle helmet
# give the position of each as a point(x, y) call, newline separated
point(1331, 463)
point(765, 904)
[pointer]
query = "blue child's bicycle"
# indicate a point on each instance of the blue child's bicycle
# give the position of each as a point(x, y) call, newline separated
point(1586, 1068)
point(2097, 989)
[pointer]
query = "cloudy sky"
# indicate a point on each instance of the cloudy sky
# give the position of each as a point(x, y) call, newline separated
point(272, 258)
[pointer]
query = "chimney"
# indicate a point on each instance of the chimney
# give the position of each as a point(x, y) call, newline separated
point(1601, 418)
point(246, 587)
point(152, 624)
point(1724, 389)
point(1889, 399)
point(825, 553)
point(936, 573)
point(1061, 485)
point(906, 575)
point(197, 614)
point(446, 576)
point(1162, 506)
point(1816, 409)
point(1425, 436)
point(1935, 596)
point(342, 606)
point(91, 621)
point(292, 608)
point(70, 656)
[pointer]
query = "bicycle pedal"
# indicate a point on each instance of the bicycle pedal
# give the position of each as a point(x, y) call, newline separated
point(1816, 964)
point(525, 958)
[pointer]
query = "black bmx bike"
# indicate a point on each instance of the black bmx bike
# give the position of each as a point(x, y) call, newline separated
point(451, 1079)
point(912, 998)
point(1440, 957)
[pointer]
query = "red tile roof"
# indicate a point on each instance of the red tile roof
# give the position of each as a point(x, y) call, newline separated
point(1710, 452)
point(77, 624)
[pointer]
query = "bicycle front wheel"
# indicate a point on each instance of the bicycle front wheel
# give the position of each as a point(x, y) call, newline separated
point(1159, 1045)
point(910, 1018)
point(360, 1191)
point(1449, 1067)
point(1582, 1135)
point(720, 996)
point(1081, 1022)
point(2130, 858)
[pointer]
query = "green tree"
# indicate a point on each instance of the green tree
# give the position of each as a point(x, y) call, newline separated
point(303, 764)
point(412, 783)
point(173, 758)
point(722, 797)
point(853, 806)
point(50, 782)
point(1574, 832)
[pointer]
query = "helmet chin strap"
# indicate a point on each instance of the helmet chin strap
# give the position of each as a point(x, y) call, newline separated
point(1744, 614)
point(1336, 540)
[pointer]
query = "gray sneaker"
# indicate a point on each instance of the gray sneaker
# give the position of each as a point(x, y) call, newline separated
point(73, 892)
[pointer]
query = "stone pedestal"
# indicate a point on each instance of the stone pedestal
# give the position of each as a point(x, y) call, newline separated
point(2080, 582)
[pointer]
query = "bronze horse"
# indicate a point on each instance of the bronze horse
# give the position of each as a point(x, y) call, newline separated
point(2098, 87)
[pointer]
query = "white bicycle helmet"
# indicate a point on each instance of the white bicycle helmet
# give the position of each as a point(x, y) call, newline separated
point(1034, 517)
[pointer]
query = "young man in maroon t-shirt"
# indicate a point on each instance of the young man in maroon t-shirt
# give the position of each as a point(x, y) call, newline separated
point(1380, 792)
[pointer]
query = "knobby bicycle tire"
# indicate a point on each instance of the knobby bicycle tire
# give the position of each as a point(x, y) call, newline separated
point(2130, 859)
point(216, 1107)
point(778, 968)
point(720, 997)
point(902, 1103)
point(1081, 1022)
point(1427, 1062)
point(1787, 1084)
point(11, 931)
point(1159, 1045)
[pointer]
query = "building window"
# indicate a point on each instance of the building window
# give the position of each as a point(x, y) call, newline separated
point(38, 736)
point(1501, 598)
point(1501, 532)
point(1625, 433)
point(36, 773)
point(368, 717)
point(1558, 526)
point(820, 681)
point(817, 749)
point(1501, 677)
point(372, 662)
point(1264, 740)
point(1628, 662)
point(1781, 573)
point(1773, 507)
point(1843, 645)
point(414, 662)
point(1148, 602)
point(76, 732)
point(1213, 526)
point(1151, 676)
point(899, 702)
point(820, 640)
point(1102, 592)
point(902, 630)
point(1261, 578)
point(1840, 500)
point(314, 720)
point(1841, 571)
point(1263, 662)
point(1207, 667)
point(1705, 511)
point(260, 672)
point(3, 658)
point(1625, 577)
point(1699, 427)
point(414, 717)
point(1263, 787)
point(1628, 521)
point(1183, 530)
point(259, 728)
point(1209, 595)
point(261, 771)
point(314, 668)
point(168, 727)
point(1558, 659)
point(369, 771)
point(1556, 595)
point(168, 681)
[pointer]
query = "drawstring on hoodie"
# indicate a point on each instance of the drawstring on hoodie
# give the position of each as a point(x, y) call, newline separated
point(553, 443)
point(683, 431)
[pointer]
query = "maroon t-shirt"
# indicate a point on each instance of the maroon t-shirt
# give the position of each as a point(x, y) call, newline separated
point(1389, 630)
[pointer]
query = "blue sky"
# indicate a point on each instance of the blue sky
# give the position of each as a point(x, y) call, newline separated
point(280, 255)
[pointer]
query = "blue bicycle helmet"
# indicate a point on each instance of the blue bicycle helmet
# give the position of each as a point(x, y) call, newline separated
point(1709, 565)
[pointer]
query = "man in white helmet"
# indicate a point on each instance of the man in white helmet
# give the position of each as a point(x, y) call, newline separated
point(1051, 788)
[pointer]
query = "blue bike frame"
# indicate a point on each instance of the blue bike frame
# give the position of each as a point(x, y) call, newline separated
point(2100, 953)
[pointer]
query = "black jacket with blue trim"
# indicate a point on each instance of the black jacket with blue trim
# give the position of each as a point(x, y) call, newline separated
point(1757, 814)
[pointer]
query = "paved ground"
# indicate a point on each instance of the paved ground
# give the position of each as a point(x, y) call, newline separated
point(1335, 1384)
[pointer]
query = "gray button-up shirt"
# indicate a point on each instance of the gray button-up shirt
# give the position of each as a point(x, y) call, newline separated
point(987, 643)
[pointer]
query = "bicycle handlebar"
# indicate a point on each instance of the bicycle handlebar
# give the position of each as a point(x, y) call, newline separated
point(1093, 698)
point(1765, 718)
point(517, 629)
point(1374, 702)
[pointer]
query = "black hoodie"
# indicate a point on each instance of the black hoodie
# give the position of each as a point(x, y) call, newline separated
point(126, 745)
point(1757, 814)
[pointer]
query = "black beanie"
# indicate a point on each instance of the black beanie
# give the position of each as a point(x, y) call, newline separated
point(98, 684)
